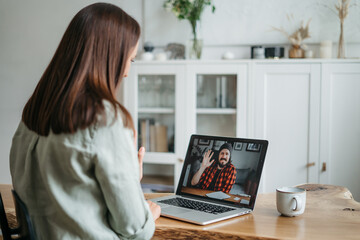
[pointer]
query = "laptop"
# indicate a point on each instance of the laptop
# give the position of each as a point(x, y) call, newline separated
point(219, 180)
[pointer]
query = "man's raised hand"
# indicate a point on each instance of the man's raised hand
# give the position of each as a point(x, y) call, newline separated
point(207, 157)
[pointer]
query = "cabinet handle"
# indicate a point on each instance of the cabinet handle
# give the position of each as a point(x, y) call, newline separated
point(180, 160)
point(310, 164)
point(323, 169)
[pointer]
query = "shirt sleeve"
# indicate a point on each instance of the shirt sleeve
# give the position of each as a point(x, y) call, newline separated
point(204, 178)
point(117, 172)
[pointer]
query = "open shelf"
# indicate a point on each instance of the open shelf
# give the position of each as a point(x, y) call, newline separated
point(216, 111)
point(156, 110)
point(158, 179)
point(157, 184)
point(160, 158)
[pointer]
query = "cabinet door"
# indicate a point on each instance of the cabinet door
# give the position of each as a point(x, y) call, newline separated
point(285, 111)
point(217, 99)
point(153, 94)
point(340, 126)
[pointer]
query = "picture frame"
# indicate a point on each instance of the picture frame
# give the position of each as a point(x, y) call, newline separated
point(253, 147)
point(204, 142)
point(217, 145)
point(238, 146)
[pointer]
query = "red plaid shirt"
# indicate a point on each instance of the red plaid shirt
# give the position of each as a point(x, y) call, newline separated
point(225, 180)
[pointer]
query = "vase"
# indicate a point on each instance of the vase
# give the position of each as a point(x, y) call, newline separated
point(326, 49)
point(341, 44)
point(296, 52)
point(195, 48)
point(195, 43)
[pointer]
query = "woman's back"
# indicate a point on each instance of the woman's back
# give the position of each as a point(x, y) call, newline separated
point(83, 185)
point(73, 160)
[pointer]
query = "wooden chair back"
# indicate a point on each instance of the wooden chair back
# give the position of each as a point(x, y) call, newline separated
point(26, 229)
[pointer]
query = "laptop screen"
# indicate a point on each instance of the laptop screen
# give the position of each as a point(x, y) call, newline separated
point(223, 169)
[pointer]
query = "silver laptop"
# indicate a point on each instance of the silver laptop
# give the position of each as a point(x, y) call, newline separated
point(219, 180)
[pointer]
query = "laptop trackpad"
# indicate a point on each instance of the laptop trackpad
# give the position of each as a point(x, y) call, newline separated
point(174, 210)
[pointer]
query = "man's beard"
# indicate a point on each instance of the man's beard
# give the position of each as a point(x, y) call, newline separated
point(221, 165)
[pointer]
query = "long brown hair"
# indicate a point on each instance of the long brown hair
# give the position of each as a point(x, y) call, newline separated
point(86, 68)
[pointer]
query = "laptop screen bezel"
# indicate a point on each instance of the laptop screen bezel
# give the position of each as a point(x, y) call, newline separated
point(259, 170)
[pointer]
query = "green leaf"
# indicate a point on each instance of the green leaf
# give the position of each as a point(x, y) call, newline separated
point(184, 9)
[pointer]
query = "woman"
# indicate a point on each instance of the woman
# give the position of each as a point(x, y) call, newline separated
point(73, 160)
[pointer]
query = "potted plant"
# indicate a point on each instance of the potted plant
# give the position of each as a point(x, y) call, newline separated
point(296, 39)
point(190, 10)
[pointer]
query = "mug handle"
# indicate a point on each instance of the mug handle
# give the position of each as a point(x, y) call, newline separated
point(298, 203)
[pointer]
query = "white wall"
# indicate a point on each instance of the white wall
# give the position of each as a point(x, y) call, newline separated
point(30, 31)
point(244, 22)
point(236, 24)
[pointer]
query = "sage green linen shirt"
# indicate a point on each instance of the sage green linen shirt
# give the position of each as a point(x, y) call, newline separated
point(83, 185)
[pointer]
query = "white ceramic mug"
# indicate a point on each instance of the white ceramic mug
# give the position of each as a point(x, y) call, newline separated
point(290, 201)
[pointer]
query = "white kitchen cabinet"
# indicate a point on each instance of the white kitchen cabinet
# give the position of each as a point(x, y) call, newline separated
point(187, 98)
point(285, 103)
point(340, 126)
point(216, 99)
point(308, 110)
point(154, 96)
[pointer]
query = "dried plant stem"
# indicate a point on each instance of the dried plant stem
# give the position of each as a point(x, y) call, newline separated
point(341, 48)
point(343, 10)
point(297, 37)
point(329, 8)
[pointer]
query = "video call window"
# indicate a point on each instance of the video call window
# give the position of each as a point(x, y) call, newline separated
point(222, 170)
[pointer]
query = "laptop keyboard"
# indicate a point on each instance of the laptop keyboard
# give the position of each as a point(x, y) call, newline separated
point(196, 205)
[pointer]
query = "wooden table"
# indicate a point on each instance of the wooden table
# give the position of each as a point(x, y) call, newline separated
point(331, 213)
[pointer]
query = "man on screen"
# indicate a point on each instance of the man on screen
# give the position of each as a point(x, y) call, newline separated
point(216, 175)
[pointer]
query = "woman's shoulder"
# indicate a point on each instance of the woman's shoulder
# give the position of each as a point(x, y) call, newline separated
point(109, 123)
point(109, 116)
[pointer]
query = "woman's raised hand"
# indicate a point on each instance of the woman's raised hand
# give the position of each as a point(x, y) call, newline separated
point(141, 154)
point(155, 209)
